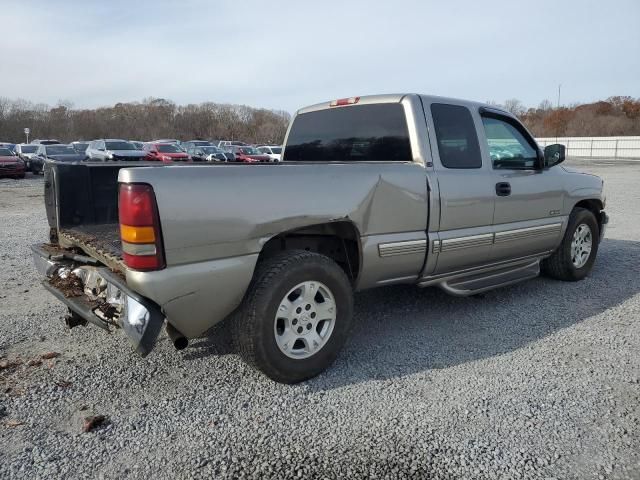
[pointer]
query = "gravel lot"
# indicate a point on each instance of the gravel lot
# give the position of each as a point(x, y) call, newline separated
point(539, 380)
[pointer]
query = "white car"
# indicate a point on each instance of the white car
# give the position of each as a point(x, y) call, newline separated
point(274, 152)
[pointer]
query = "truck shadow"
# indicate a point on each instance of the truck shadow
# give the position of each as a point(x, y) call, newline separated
point(403, 330)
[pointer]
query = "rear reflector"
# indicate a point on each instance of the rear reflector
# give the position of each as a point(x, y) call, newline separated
point(345, 101)
point(140, 227)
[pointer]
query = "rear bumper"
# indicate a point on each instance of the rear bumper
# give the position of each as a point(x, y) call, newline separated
point(104, 298)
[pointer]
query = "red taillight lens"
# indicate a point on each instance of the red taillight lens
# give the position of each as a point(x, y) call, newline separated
point(345, 101)
point(140, 227)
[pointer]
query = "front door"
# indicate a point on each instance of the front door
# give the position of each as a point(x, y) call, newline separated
point(528, 201)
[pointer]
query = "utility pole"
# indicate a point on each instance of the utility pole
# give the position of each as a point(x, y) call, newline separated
point(559, 87)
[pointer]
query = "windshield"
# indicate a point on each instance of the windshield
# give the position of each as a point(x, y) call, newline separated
point(250, 151)
point(28, 148)
point(208, 149)
point(119, 146)
point(60, 150)
point(79, 147)
point(5, 152)
point(169, 149)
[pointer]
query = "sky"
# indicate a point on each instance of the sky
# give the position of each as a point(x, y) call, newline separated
point(287, 54)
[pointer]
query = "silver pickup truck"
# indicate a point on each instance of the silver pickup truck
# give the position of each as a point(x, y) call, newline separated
point(371, 191)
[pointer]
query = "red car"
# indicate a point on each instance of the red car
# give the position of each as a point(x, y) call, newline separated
point(166, 152)
point(247, 154)
point(10, 164)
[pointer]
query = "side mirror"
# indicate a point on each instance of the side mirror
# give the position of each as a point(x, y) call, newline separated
point(554, 154)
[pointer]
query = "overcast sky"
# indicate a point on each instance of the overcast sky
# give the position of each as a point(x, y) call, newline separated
point(287, 54)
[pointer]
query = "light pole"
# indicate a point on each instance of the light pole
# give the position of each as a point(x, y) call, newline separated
point(559, 87)
point(26, 132)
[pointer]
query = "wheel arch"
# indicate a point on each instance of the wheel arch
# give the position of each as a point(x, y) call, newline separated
point(338, 240)
point(595, 206)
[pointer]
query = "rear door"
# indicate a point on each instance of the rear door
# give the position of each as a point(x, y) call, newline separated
point(465, 183)
point(528, 200)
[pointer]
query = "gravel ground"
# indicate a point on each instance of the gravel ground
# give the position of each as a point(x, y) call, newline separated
point(539, 380)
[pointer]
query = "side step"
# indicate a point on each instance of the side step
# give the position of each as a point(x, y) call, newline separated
point(472, 284)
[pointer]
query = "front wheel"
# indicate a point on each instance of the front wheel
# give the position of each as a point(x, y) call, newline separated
point(574, 258)
point(296, 316)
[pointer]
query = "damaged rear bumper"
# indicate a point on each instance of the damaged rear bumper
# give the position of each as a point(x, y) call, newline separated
point(99, 296)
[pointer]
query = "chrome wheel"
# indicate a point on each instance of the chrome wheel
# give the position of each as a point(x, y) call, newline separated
point(581, 245)
point(305, 320)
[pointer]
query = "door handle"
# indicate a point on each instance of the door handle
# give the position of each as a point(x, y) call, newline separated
point(503, 189)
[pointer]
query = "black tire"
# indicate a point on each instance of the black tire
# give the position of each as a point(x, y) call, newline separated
point(560, 265)
point(253, 325)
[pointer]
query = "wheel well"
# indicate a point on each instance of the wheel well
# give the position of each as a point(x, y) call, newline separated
point(594, 206)
point(339, 241)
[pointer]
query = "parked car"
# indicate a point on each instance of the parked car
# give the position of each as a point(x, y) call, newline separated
point(208, 153)
point(194, 143)
point(57, 152)
point(372, 191)
point(10, 164)
point(80, 146)
point(247, 154)
point(25, 152)
point(227, 143)
point(109, 149)
point(166, 152)
point(9, 145)
point(46, 142)
point(273, 151)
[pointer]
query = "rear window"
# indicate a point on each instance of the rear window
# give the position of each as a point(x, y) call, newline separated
point(456, 135)
point(119, 146)
point(350, 134)
point(169, 148)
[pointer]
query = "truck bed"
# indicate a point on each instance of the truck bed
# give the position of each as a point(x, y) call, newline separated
point(82, 207)
point(99, 241)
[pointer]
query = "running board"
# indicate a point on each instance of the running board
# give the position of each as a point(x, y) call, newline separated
point(474, 283)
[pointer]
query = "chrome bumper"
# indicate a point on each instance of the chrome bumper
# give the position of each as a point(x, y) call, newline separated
point(105, 300)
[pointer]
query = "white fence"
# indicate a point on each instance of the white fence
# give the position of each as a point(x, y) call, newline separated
point(609, 147)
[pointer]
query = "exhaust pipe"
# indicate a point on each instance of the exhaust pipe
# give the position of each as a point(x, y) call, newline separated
point(178, 339)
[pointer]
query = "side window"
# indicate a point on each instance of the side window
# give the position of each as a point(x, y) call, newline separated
point(456, 136)
point(508, 147)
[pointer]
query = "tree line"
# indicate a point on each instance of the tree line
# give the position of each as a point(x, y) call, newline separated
point(153, 118)
point(615, 116)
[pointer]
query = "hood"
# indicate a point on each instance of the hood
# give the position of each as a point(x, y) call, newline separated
point(68, 158)
point(28, 155)
point(9, 159)
point(576, 171)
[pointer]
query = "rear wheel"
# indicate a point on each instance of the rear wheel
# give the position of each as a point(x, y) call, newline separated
point(296, 316)
point(574, 258)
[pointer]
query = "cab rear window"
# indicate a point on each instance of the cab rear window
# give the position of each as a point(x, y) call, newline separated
point(350, 134)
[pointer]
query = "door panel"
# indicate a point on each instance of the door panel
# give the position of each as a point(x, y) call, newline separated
point(527, 219)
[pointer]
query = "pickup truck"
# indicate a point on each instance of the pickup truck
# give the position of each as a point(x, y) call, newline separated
point(372, 191)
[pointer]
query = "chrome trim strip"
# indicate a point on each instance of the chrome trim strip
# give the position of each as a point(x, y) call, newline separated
point(408, 247)
point(436, 246)
point(470, 241)
point(529, 232)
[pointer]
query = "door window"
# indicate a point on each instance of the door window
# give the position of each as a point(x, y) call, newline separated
point(456, 136)
point(508, 147)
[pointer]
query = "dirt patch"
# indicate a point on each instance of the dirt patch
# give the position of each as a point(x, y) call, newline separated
point(71, 286)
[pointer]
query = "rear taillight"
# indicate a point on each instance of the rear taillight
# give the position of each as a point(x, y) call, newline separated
point(140, 227)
